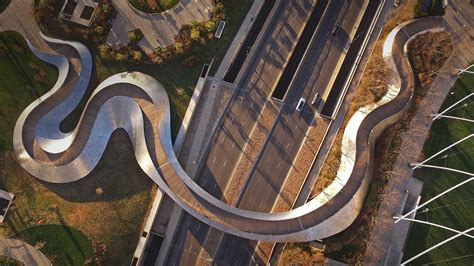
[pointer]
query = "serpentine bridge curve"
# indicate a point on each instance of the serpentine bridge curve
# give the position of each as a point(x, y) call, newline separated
point(138, 104)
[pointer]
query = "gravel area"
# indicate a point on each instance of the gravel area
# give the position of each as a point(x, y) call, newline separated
point(301, 165)
point(297, 175)
point(250, 153)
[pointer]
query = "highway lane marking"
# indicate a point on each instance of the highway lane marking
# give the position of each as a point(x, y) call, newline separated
point(215, 186)
point(213, 160)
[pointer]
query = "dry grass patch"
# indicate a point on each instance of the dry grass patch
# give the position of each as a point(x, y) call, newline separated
point(301, 254)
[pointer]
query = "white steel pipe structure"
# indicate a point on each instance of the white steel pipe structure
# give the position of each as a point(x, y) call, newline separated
point(465, 70)
point(418, 165)
point(447, 169)
point(434, 198)
point(438, 245)
point(455, 118)
point(435, 225)
point(436, 116)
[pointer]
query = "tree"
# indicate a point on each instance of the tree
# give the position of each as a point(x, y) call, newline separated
point(137, 55)
point(195, 33)
point(104, 51)
point(106, 8)
point(99, 29)
point(178, 48)
point(210, 26)
point(121, 56)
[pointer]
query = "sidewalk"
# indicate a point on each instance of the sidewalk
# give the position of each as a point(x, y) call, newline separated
point(22, 252)
point(463, 53)
point(159, 29)
point(19, 17)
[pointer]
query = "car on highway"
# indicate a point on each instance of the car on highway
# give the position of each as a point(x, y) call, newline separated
point(315, 99)
point(300, 104)
point(335, 28)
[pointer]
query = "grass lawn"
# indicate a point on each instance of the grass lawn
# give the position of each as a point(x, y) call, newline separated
point(433, 8)
point(153, 6)
point(23, 79)
point(455, 208)
point(63, 245)
point(6, 261)
point(4, 4)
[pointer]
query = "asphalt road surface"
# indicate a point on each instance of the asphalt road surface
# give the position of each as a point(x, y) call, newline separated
point(288, 133)
point(285, 140)
point(239, 120)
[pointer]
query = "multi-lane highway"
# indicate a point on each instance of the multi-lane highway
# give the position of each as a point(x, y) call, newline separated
point(264, 66)
point(314, 76)
point(322, 59)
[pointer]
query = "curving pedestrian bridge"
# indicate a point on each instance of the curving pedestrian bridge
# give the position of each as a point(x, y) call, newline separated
point(138, 104)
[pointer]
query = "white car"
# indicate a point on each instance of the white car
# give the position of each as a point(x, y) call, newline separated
point(315, 99)
point(300, 104)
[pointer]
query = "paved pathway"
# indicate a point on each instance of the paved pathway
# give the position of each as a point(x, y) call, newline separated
point(159, 29)
point(19, 17)
point(22, 252)
point(458, 14)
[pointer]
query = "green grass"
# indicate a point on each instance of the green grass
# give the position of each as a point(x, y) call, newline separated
point(455, 208)
point(435, 8)
point(4, 4)
point(23, 79)
point(62, 244)
point(6, 261)
point(157, 6)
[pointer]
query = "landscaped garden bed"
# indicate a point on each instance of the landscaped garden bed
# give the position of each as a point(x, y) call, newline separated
point(153, 6)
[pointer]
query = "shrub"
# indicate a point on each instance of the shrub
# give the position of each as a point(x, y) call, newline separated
point(99, 29)
point(135, 35)
point(121, 56)
point(137, 55)
point(195, 34)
